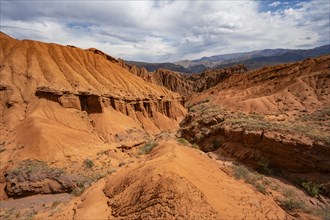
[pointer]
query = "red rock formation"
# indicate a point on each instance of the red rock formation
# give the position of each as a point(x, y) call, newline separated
point(56, 97)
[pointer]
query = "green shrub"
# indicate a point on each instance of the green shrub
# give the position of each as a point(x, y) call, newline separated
point(289, 193)
point(241, 172)
point(195, 146)
point(260, 188)
point(216, 144)
point(147, 148)
point(263, 166)
point(183, 141)
point(291, 204)
point(311, 188)
point(88, 163)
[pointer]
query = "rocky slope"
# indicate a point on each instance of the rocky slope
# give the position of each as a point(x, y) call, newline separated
point(63, 103)
point(185, 85)
point(275, 117)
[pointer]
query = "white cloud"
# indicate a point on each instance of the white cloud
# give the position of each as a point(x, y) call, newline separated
point(168, 30)
point(275, 4)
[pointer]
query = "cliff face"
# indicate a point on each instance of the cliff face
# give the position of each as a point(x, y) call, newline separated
point(55, 98)
point(289, 151)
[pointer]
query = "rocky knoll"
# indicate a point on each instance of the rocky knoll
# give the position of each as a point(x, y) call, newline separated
point(164, 198)
point(179, 183)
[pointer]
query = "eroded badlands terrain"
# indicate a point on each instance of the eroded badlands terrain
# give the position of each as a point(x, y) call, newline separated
point(86, 136)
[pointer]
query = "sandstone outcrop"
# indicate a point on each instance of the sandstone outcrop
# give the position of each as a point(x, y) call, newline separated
point(55, 98)
point(290, 152)
point(35, 177)
point(95, 103)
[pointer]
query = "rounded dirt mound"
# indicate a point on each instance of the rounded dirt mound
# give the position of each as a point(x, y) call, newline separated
point(155, 193)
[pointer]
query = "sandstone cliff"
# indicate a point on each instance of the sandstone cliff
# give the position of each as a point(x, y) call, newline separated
point(57, 100)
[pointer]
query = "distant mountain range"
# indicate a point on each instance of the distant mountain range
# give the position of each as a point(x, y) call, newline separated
point(151, 67)
point(252, 60)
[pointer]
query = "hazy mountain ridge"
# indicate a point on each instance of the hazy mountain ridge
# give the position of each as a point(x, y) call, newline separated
point(252, 60)
point(152, 67)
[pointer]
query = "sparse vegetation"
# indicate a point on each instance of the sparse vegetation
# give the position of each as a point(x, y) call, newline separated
point(289, 193)
point(263, 166)
point(33, 166)
point(39, 170)
point(312, 125)
point(195, 146)
point(84, 181)
point(291, 204)
point(88, 163)
point(147, 148)
point(216, 144)
point(323, 213)
point(257, 122)
point(183, 141)
point(311, 188)
point(241, 172)
point(255, 179)
point(260, 187)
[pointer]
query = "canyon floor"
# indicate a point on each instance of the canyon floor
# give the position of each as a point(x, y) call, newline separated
point(86, 136)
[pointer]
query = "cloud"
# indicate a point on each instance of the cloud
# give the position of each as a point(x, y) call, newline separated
point(275, 4)
point(159, 31)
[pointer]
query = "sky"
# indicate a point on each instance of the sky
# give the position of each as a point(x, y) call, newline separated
point(169, 30)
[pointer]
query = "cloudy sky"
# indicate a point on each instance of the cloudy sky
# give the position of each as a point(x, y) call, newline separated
point(158, 31)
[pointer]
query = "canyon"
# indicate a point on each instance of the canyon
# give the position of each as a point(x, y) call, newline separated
point(84, 135)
